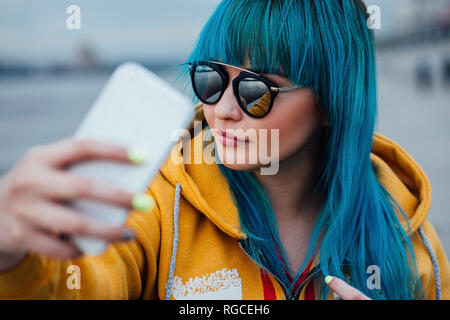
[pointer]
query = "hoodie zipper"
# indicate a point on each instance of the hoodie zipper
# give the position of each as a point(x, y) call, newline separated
point(312, 274)
point(286, 292)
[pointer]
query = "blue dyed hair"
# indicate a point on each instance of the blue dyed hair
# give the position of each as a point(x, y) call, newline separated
point(326, 46)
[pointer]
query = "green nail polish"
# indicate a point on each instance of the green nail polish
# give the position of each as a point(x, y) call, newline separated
point(137, 155)
point(143, 202)
point(328, 279)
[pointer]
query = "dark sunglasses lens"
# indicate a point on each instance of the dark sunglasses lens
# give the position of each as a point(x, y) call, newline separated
point(208, 83)
point(255, 96)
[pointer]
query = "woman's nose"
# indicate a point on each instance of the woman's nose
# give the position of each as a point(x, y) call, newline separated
point(227, 108)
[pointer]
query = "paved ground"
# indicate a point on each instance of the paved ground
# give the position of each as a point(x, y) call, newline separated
point(41, 110)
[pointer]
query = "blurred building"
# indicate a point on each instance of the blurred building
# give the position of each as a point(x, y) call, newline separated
point(417, 21)
point(86, 57)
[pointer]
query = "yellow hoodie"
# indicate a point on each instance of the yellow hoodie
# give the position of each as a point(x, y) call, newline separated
point(191, 245)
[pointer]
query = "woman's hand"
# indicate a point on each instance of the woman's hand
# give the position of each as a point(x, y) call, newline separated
point(344, 290)
point(32, 195)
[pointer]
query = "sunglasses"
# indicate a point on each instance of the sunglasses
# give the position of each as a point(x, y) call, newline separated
point(254, 93)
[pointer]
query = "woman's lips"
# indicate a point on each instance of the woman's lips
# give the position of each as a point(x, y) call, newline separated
point(228, 140)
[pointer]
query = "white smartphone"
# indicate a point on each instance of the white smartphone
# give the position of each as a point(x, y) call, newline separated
point(135, 109)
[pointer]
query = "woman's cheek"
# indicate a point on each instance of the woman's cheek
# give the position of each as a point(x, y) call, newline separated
point(295, 133)
point(208, 112)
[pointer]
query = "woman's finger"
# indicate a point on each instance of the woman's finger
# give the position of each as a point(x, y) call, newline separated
point(61, 185)
point(23, 237)
point(53, 216)
point(46, 245)
point(71, 150)
point(344, 290)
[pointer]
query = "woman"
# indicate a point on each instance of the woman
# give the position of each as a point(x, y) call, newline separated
point(343, 215)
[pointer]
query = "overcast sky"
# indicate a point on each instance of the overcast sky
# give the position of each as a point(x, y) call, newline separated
point(35, 31)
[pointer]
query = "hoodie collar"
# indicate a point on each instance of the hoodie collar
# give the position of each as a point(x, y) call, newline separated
point(204, 186)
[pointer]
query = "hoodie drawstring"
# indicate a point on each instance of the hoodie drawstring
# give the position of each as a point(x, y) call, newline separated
point(173, 259)
point(434, 261)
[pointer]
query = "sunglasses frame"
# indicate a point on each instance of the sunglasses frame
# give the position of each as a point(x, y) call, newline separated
point(216, 66)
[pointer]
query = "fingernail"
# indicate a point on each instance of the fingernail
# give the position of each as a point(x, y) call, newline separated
point(128, 234)
point(143, 202)
point(137, 155)
point(328, 279)
point(77, 254)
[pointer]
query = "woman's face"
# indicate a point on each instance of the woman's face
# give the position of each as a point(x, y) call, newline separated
point(295, 114)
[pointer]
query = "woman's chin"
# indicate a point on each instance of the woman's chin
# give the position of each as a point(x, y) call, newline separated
point(239, 166)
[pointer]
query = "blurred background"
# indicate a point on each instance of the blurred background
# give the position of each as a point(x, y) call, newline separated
point(50, 75)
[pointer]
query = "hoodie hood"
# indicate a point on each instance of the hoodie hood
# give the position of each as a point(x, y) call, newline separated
point(402, 177)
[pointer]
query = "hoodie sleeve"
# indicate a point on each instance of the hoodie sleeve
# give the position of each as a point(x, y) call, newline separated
point(432, 263)
point(127, 270)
